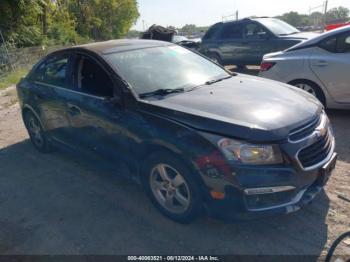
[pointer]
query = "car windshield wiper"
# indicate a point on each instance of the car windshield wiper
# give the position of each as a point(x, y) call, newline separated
point(209, 82)
point(162, 92)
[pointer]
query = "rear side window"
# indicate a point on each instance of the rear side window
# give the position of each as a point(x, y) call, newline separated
point(329, 44)
point(232, 31)
point(336, 44)
point(210, 34)
point(52, 71)
point(343, 43)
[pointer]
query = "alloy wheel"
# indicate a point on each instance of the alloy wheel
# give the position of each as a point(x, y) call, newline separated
point(35, 131)
point(170, 188)
point(307, 88)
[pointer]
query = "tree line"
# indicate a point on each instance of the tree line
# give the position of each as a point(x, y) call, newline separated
point(334, 15)
point(34, 22)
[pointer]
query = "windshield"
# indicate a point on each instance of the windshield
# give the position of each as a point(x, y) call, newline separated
point(278, 27)
point(166, 67)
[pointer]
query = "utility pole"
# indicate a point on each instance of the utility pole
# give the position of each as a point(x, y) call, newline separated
point(325, 13)
point(235, 15)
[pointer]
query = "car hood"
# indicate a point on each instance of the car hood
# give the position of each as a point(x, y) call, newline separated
point(245, 107)
point(300, 36)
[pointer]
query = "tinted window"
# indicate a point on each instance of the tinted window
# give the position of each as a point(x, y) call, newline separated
point(231, 31)
point(343, 43)
point(211, 32)
point(337, 44)
point(329, 44)
point(254, 31)
point(92, 79)
point(53, 72)
point(167, 67)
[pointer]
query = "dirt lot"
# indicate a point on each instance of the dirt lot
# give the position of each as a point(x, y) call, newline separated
point(60, 204)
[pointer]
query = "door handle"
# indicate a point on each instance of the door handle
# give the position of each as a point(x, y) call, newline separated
point(73, 109)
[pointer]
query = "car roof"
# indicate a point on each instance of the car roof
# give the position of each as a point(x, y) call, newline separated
point(120, 45)
point(246, 19)
point(318, 38)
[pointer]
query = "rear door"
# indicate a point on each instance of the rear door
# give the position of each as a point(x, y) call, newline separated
point(331, 62)
point(48, 83)
point(231, 43)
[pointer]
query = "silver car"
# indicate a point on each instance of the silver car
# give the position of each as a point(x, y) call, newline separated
point(320, 66)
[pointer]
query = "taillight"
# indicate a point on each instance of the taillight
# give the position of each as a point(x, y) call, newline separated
point(265, 66)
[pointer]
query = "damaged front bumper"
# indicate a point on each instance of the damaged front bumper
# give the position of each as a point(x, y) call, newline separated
point(253, 203)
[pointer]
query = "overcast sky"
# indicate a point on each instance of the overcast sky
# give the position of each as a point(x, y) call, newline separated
point(207, 12)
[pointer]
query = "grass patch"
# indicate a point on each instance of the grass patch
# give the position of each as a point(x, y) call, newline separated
point(12, 78)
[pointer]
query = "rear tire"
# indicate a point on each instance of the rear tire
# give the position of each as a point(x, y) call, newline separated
point(241, 67)
point(170, 186)
point(36, 133)
point(312, 88)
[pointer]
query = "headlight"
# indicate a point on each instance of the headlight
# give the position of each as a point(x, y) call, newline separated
point(247, 153)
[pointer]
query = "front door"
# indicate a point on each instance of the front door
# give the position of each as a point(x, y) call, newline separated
point(258, 42)
point(98, 124)
point(330, 63)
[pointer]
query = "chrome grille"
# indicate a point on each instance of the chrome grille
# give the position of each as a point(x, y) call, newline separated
point(316, 152)
point(304, 130)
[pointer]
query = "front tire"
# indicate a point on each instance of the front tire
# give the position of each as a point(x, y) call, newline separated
point(36, 133)
point(170, 186)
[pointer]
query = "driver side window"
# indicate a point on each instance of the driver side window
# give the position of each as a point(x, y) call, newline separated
point(93, 79)
point(254, 31)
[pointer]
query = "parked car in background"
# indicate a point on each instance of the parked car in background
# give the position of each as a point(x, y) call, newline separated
point(186, 42)
point(334, 26)
point(244, 42)
point(157, 32)
point(320, 66)
point(197, 137)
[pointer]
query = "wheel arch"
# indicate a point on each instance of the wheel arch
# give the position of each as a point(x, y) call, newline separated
point(151, 148)
point(215, 52)
point(28, 109)
point(312, 83)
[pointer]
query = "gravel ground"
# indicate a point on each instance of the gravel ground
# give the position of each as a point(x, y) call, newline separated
point(60, 204)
